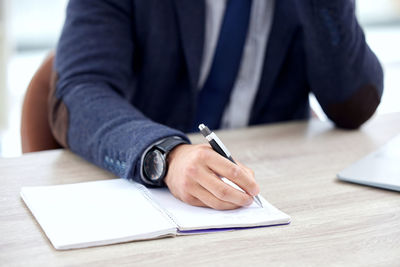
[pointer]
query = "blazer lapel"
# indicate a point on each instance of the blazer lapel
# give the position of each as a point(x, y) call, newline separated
point(191, 20)
point(283, 28)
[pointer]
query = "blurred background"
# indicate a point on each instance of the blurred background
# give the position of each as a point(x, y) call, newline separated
point(30, 29)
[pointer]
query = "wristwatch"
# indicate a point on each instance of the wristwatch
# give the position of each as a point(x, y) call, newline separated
point(155, 165)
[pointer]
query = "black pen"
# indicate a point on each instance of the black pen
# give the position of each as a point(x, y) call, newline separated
point(221, 149)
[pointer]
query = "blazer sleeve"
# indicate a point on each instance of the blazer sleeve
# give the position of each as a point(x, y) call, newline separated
point(344, 74)
point(90, 113)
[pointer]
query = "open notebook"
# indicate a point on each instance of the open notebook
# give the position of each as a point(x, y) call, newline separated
point(115, 211)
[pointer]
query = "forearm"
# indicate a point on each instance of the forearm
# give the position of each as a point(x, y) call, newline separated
point(344, 73)
point(107, 131)
point(91, 112)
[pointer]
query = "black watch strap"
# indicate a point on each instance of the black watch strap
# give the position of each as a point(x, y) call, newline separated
point(169, 143)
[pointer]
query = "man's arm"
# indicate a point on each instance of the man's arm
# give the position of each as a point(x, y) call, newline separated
point(344, 74)
point(91, 115)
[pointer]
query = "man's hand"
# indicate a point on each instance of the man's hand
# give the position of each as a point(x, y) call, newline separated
point(193, 177)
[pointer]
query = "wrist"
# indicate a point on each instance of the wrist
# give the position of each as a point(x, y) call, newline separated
point(174, 152)
point(172, 158)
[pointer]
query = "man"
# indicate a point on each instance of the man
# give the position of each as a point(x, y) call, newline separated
point(134, 75)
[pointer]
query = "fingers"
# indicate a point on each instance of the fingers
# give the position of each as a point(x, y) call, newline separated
point(207, 189)
point(239, 175)
point(194, 201)
point(194, 177)
point(222, 191)
point(248, 170)
point(211, 200)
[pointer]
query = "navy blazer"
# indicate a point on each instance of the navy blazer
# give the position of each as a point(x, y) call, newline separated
point(127, 73)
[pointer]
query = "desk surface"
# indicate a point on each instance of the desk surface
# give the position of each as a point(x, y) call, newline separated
point(333, 223)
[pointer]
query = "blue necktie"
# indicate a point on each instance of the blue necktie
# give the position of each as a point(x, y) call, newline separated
point(216, 92)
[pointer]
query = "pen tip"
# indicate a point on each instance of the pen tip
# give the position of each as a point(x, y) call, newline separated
point(258, 201)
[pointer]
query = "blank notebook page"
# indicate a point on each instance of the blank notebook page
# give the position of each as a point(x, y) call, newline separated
point(95, 213)
point(193, 218)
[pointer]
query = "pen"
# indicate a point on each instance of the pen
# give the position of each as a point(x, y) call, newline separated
point(221, 149)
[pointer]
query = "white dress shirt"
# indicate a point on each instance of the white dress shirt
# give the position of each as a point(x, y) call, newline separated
point(237, 111)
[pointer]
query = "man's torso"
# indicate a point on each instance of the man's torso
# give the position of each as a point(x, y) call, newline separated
point(168, 54)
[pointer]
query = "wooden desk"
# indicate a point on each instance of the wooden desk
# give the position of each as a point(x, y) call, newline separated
point(333, 223)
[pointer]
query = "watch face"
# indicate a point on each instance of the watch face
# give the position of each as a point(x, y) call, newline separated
point(154, 165)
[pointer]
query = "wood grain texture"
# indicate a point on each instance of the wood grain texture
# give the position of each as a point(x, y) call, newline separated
point(333, 223)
